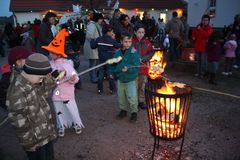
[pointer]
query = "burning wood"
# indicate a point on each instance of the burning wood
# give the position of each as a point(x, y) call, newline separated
point(157, 65)
point(168, 103)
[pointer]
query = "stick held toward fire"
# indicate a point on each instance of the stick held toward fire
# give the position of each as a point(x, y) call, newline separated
point(109, 61)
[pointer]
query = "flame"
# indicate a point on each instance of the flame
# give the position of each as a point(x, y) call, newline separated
point(169, 109)
point(157, 65)
point(166, 89)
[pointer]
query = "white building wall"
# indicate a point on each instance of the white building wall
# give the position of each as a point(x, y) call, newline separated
point(25, 17)
point(224, 14)
point(196, 8)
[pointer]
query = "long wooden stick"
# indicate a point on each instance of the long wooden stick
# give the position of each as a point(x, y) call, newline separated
point(109, 61)
point(92, 68)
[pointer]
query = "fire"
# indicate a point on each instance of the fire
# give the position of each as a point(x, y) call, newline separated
point(166, 89)
point(167, 113)
point(157, 65)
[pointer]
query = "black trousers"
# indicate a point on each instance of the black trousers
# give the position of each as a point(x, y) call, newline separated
point(43, 153)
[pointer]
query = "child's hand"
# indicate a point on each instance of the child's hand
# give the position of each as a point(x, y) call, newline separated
point(58, 75)
point(125, 69)
point(61, 75)
point(73, 78)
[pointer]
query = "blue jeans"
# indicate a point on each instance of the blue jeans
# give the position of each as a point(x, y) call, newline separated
point(93, 73)
point(213, 67)
point(127, 95)
point(174, 50)
point(101, 78)
point(42, 153)
point(201, 63)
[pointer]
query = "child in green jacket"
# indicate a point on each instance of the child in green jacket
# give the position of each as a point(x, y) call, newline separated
point(126, 73)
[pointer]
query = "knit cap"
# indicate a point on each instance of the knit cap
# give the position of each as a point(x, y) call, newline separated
point(16, 53)
point(37, 64)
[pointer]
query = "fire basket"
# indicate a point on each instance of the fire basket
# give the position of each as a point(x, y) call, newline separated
point(167, 111)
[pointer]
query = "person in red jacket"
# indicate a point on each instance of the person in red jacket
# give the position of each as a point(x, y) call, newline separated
point(200, 36)
point(145, 49)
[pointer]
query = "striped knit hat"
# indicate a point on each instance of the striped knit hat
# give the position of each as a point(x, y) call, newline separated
point(37, 64)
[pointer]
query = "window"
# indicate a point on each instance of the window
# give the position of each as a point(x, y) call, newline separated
point(212, 3)
point(212, 8)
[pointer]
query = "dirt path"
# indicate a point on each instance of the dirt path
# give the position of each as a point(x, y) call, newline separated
point(212, 132)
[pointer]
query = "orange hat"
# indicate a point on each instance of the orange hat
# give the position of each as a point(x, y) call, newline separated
point(58, 43)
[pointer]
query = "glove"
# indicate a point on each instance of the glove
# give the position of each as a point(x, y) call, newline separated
point(58, 75)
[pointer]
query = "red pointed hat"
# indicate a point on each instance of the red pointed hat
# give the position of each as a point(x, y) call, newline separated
point(57, 45)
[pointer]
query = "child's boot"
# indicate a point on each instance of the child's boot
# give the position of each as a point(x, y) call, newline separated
point(78, 129)
point(61, 132)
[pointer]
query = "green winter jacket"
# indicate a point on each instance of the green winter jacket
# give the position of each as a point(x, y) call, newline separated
point(131, 60)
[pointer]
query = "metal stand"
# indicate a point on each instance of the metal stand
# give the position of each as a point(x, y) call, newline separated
point(156, 144)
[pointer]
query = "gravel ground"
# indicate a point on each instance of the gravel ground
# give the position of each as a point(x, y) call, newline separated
point(212, 131)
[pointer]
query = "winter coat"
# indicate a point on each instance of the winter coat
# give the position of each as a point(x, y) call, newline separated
point(150, 27)
point(4, 84)
point(123, 29)
point(93, 32)
point(105, 45)
point(64, 91)
point(175, 28)
point(213, 50)
point(130, 59)
point(115, 23)
point(145, 50)
point(5, 81)
point(30, 113)
point(200, 36)
point(230, 48)
point(45, 37)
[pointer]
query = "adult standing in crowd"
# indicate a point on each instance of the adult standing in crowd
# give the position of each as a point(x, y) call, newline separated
point(36, 30)
point(186, 28)
point(175, 30)
point(149, 25)
point(200, 37)
point(11, 35)
point(161, 29)
point(94, 30)
point(2, 51)
point(236, 30)
point(114, 22)
point(124, 26)
point(45, 34)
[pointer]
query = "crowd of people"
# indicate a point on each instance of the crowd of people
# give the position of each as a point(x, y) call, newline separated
point(30, 78)
point(211, 46)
